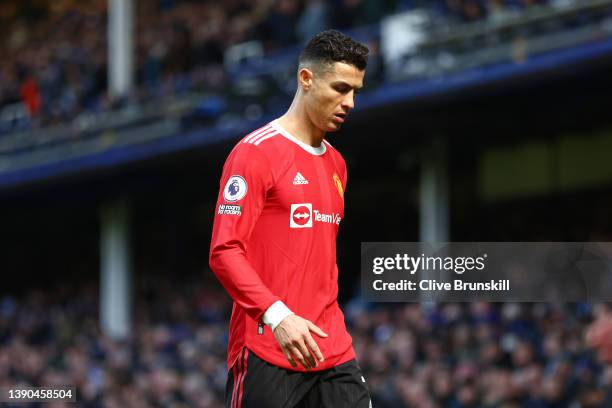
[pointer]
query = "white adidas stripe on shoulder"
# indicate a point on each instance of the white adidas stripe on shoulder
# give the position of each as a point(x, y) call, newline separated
point(262, 136)
point(256, 133)
point(261, 139)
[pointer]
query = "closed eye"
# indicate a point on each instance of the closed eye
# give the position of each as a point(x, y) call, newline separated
point(342, 89)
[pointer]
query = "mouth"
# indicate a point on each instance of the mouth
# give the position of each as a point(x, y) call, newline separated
point(339, 117)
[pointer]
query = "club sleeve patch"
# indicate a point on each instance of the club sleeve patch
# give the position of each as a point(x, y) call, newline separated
point(235, 189)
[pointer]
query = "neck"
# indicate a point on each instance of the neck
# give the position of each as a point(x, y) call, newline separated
point(297, 122)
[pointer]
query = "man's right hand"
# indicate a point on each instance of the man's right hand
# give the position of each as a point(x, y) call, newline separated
point(293, 337)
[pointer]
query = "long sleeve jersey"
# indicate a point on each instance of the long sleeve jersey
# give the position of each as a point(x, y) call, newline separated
point(274, 239)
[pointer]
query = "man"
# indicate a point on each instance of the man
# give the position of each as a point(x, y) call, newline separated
point(274, 244)
point(599, 333)
point(599, 338)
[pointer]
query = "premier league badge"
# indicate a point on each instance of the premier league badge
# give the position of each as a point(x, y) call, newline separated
point(235, 189)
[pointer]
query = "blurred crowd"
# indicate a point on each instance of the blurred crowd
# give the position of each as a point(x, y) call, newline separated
point(54, 54)
point(53, 59)
point(175, 356)
point(447, 356)
point(480, 355)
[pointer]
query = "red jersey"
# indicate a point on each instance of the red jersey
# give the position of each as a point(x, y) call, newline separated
point(274, 238)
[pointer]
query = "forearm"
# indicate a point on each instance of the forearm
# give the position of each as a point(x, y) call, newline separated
point(244, 284)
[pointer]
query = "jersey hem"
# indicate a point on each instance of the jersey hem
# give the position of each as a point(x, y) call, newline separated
point(282, 362)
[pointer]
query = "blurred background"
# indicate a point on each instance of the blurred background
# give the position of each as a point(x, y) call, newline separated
point(482, 120)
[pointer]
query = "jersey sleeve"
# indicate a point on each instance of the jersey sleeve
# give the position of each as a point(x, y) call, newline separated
point(246, 178)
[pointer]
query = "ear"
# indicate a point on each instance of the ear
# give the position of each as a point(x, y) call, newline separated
point(305, 78)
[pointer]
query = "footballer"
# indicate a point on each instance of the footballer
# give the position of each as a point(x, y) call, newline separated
point(273, 248)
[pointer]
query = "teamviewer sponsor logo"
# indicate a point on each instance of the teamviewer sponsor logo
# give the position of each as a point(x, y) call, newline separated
point(328, 218)
point(301, 216)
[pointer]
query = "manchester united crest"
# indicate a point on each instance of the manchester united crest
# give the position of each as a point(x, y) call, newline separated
point(338, 184)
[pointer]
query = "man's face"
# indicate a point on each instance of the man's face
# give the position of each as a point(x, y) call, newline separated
point(332, 95)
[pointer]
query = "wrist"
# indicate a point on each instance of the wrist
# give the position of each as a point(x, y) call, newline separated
point(275, 314)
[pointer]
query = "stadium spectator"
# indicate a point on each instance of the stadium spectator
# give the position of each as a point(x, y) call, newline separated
point(30, 95)
point(278, 29)
point(313, 20)
point(63, 44)
point(454, 355)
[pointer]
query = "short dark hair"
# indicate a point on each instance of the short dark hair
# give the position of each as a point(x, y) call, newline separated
point(332, 46)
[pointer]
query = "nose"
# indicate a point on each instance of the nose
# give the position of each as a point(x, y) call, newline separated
point(348, 102)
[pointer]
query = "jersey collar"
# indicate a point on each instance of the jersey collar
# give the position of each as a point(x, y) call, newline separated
point(317, 151)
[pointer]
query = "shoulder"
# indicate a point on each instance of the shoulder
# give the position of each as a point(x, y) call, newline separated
point(251, 145)
point(263, 150)
point(266, 140)
point(331, 148)
point(334, 153)
point(259, 136)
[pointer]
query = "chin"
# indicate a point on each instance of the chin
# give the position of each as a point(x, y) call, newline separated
point(333, 127)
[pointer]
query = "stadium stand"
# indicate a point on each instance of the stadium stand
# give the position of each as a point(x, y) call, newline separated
point(56, 58)
point(212, 65)
point(451, 356)
point(227, 74)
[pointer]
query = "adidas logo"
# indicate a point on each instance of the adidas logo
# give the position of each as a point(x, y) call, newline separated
point(299, 179)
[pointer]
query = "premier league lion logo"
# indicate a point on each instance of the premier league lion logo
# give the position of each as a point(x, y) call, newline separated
point(235, 189)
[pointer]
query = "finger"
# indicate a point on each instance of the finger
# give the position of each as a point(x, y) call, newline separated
point(312, 345)
point(289, 358)
point(306, 353)
point(310, 355)
point(313, 328)
point(298, 356)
